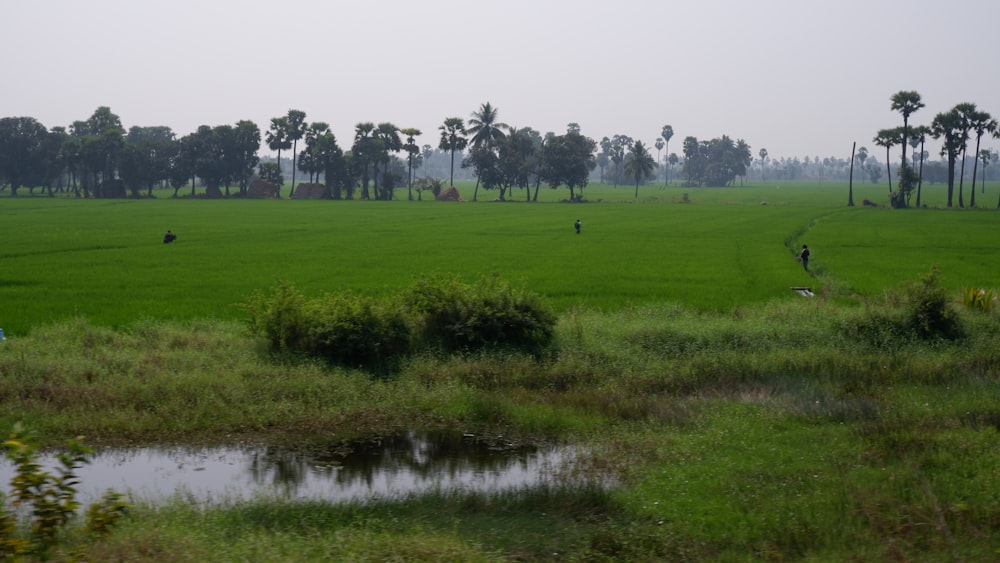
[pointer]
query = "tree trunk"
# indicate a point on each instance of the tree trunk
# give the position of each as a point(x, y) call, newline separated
point(920, 175)
point(850, 183)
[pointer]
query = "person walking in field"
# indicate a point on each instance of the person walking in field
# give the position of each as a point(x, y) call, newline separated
point(804, 256)
point(578, 225)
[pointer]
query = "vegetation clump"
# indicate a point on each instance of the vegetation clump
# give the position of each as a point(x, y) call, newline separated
point(435, 314)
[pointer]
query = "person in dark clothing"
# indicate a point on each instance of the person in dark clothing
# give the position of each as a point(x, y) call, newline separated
point(578, 225)
point(804, 256)
point(169, 237)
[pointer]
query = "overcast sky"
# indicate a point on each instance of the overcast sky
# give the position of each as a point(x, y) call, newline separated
point(798, 77)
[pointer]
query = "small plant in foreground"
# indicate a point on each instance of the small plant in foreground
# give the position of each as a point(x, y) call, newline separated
point(51, 497)
point(979, 299)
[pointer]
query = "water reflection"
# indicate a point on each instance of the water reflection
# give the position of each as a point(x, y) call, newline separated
point(406, 464)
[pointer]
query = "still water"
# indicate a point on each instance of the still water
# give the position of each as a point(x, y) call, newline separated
point(410, 463)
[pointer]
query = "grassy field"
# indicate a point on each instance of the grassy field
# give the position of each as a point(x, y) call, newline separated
point(740, 421)
point(104, 261)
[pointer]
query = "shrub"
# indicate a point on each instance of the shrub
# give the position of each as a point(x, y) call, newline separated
point(457, 317)
point(355, 331)
point(51, 497)
point(921, 312)
point(929, 312)
point(279, 317)
point(344, 329)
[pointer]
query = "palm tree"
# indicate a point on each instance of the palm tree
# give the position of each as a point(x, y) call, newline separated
point(920, 136)
point(950, 127)
point(277, 140)
point(659, 144)
point(639, 164)
point(486, 132)
point(412, 150)
point(982, 123)
point(666, 134)
point(763, 160)
point(453, 139)
point(296, 123)
point(387, 137)
point(363, 152)
point(906, 102)
point(966, 111)
point(887, 138)
point(484, 127)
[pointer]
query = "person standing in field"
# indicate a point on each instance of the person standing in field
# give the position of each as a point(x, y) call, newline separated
point(578, 225)
point(804, 256)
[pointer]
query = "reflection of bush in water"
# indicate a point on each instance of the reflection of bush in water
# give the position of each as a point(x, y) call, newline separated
point(421, 456)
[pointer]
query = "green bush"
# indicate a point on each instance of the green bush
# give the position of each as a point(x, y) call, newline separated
point(344, 329)
point(355, 331)
point(930, 313)
point(279, 316)
point(456, 317)
point(443, 314)
point(920, 312)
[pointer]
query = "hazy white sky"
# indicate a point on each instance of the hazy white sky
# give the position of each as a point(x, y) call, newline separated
point(798, 77)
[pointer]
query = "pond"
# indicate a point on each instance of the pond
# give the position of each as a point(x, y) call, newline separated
point(411, 463)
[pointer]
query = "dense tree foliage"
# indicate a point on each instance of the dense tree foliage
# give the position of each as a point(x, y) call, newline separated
point(715, 163)
point(97, 157)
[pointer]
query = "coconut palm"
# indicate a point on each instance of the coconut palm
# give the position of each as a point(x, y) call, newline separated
point(639, 164)
point(484, 128)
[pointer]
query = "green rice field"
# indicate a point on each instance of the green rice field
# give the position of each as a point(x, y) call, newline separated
point(711, 249)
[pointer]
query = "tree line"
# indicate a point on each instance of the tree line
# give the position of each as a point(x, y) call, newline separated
point(98, 157)
point(953, 128)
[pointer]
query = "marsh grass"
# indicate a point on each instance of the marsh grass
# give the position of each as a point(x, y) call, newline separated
point(765, 432)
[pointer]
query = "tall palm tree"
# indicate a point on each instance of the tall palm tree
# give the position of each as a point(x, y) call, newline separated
point(484, 128)
point(966, 112)
point(920, 135)
point(887, 138)
point(277, 140)
point(950, 127)
point(763, 159)
point(486, 133)
point(453, 139)
point(296, 123)
point(659, 144)
point(364, 152)
point(412, 150)
point(387, 136)
point(639, 164)
point(666, 134)
point(906, 102)
point(982, 123)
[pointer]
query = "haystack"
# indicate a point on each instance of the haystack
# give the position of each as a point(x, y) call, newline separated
point(449, 194)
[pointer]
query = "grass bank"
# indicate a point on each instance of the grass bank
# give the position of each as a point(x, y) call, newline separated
point(797, 430)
